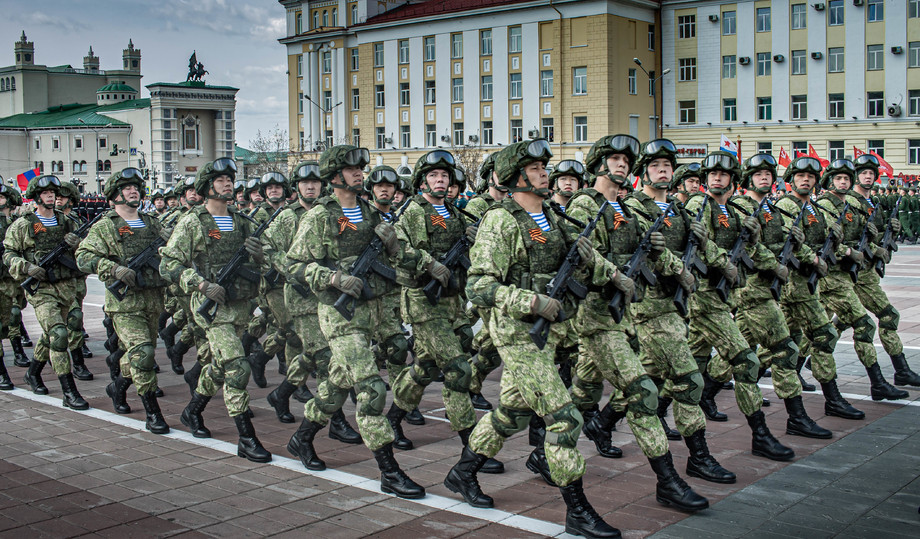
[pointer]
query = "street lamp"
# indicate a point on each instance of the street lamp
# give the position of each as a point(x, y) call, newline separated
point(654, 86)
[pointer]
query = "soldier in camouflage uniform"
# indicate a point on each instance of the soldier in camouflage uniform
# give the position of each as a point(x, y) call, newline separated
point(333, 234)
point(29, 239)
point(521, 246)
point(12, 296)
point(204, 240)
point(106, 251)
point(868, 288)
point(837, 292)
point(69, 197)
point(157, 197)
point(686, 181)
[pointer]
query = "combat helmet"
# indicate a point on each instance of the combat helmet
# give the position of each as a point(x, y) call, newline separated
point(381, 174)
point(510, 163)
point(838, 166)
point(760, 161)
point(596, 161)
point(661, 148)
point(334, 159)
point(802, 164)
point(433, 160)
point(223, 166)
point(119, 180)
point(683, 172)
point(274, 178)
point(720, 161)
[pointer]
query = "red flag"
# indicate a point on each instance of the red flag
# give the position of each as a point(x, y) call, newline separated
point(857, 152)
point(783, 160)
point(23, 179)
point(813, 153)
point(883, 165)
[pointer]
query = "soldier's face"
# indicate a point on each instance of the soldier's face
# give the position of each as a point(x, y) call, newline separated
point(60, 202)
point(241, 197)
point(172, 202)
point(762, 178)
point(352, 176)
point(274, 192)
point(453, 191)
point(618, 164)
point(660, 170)
point(192, 197)
point(718, 179)
point(384, 191)
point(310, 188)
point(866, 178)
point(3, 200)
point(159, 203)
point(438, 180)
point(841, 181)
point(536, 173)
point(398, 197)
point(566, 185)
point(692, 184)
point(130, 193)
point(223, 187)
point(804, 180)
point(255, 197)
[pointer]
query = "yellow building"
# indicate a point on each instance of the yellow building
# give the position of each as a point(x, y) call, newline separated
point(401, 79)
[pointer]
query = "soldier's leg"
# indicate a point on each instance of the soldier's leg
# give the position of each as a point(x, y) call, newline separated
point(75, 330)
point(869, 291)
point(137, 333)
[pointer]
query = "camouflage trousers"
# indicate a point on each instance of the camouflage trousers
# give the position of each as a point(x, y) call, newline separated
point(12, 296)
point(75, 317)
point(838, 297)
point(53, 305)
point(314, 351)
point(530, 382)
point(228, 368)
point(486, 359)
point(192, 333)
point(280, 331)
point(869, 291)
point(763, 324)
point(712, 326)
point(137, 334)
point(813, 332)
point(352, 366)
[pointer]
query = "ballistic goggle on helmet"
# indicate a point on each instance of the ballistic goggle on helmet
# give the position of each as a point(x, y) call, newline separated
point(661, 148)
point(838, 166)
point(223, 166)
point(13, 197)
point(333, 160)
point(867, 161)
point(627, 145)
point(69, 190)
point(274, 178)
point(802, 164)
point(306, 171)
point(433, 160)
point(720, 161)
point(568, 167)
point(761, 161)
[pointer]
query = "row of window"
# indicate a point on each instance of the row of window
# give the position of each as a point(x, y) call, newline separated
point(837, 149)
point(77, 143)
point(7, 83)
point(77, 167)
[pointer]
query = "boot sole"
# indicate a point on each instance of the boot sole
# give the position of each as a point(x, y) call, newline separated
point(73, 407)
point(876, 397)
point(846, 416)
point(667, 502)
point(809, 435)
point(194, 433)
point(346, 440)
point(261, 460)
point(388, 490)
point(456, 490)
point(698, 475)
point(157, 431)
point(772, 457)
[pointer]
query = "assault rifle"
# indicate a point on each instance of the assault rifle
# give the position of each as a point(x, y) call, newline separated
point(147, 257)
point(59, 255)
point(738, 254)
point(366, 262)
point(787, 256)
point(233, 269)
point(888, 240)
point(691, 261)
point(455, 257)
point(637, 267)
point(564, 281)
point(826, 252)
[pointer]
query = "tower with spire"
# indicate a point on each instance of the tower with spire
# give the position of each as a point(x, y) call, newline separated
point(131, 58)
point(91, 62)
point(24, 51)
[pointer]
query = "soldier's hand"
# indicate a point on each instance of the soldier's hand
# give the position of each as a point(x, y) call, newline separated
point(855, 255)
point(213, 292)
point(820, 266)
point(656, 245)
point(798, 236)
point(686, 280)
point(253, 246)
point(471, 233)
point(166, 233)
point(72, 240)
point(585, 251)
point(439, 272)
point(545, 307)
point(387, 235)
point(837, 231)
point(624, 284)
point(699, 230)
point(37, 272)
point(895, 225)
point(730, 271)
point(781, 272)
point(872, 230)
point(347, 284)
point(125, 275)
point(882, 254)
point(753, 226)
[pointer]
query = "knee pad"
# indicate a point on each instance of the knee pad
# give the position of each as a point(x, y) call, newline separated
point(75, 320)
point(396, 349)
point(888, 318)
point(690, 396)
point(142, 357)
point(337, 396)
point(864, 329)
point(457, 375)
point(487, 360)
point(507, 421)
point(643, 396)
point(376, 391)
point(15, 316)
point(572, 420)
point(825, 338)
point(787, 354)
point(465, 332)
point(594, 390)
point(746, 366)
point(423, 371)
point(58, 338)
point(236, 373)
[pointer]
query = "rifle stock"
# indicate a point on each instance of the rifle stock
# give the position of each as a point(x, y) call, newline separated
point(888, 240)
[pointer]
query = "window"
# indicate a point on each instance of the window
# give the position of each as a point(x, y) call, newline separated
point(404, 51)
point(38, 143)
point(300, 102)
point(631, 81)
point(835, 13)
point(325, 17)
point(378, 54)
point(327, 101)
point(354, 20)
point(686, 112)
point(546, 128)
point(456, 90)
point(835, 107)
point(189, 136)
point(835, 150)
point(913, 103)
point(456, 46)
point(764, 108)
point(316, 19)
point(458, 133)
point(764, 65)
point(581, 128)
point(327, 62)
point(356, 137)
point(378, 96)
point(763, 19)
point(487, 133)
point(799, 62)
point(514, 39)
point(55, 143)
point(517, 130)
point(429, 92)
point(686, 26)
point(877, 146)
point(686, 69)
point(404, 94)
point(729, 65)
point(651, 37)
point(913, 9)
point(300, 65)
point(429, 49)
point(546, 84)
point(875, 102)
point(729, 22)
point(516, 91)
point(404, 138)
point(913, 54)
point(913, 152)
point(799, 147)
point(835, 60)
point(431, 135)
point(485, 42)
point(335, 17)
point(765, 147)
point(78, 143)
point(486, 94)
point(580, 80)
point(799, 107)
point(875, 57)
point(298, 23)
point(330, 140)
point(381, 138)
point(103, 142)
point(875, 10)
point(730, 110)
point(355, 99)
point(798, 16)
point(651, 83)
point(354, 59)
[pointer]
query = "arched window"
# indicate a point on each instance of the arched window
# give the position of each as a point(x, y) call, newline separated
point(99, 165)
point(2, 85)
point(335, 17)
point(60, 166)
point(316, 19)
point(107, 166)
point(41, 167)
point(12, 83)
point(82, 166)
point(325, 18)
point(75, 166)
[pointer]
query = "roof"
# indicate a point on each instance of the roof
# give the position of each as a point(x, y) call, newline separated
point(191, 84)
point(116, 87)
point(429, 8)
point(62, 116)
point(249, 157)
point(126, 105)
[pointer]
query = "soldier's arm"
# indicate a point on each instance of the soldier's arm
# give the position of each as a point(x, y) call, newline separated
point(177, 255)
point(585, 209)
point(277, 239)
point(499, 244)
point(667, 263)
point(830, 218)
point(803, 252)
point(413, 234)
point(14, 246)
point(312, 243)
point(712, 255)
point(93, 254)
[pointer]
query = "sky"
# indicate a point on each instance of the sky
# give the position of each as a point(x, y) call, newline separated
point(236, 40)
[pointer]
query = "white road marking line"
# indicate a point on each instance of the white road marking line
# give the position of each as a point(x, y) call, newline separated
point(852, 397)
point(497, 516)
point(877, 345)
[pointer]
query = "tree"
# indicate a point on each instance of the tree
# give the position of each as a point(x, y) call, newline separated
point(270, 152)
point(469, 158)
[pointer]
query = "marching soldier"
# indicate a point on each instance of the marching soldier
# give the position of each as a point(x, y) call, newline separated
point(568, 176)
point(686, 181)
point(12, 296)
point(68, 198)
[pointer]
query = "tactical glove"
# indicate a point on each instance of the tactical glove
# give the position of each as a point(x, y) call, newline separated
point(872, 231)
point(253, 246)
point(855, 255)
point(471, 233)
point(387, 235)
point(439, 272)
point(545, 307)
point(730, 271)
point(895, 225)
point(702, 235)
point(125, 275)
point(798, 236)
point(686, 280)
point(625, 285)
point(837, 231)
point(347, 284)
point(585, 251)
point(213, 292)
point(656, 245)
point(781, 272)
point(882, 254)
point(820, 267)
point(72, 240)
point(753, 226)
point(37, 272)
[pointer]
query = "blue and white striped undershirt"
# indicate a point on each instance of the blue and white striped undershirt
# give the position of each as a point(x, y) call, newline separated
point(766, 207)
point(663, 206)
point(871, 205)
point(48, 221)
point(540, 218)
point(724, 209)
point(562, 208)
point(136, 223)
point(442, 211)
point(353, 214)
point(224, 223)
point(810, 210)
point(616, 206)
point(388, 216)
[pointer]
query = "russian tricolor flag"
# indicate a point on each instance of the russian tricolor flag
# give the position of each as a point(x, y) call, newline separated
point(23, 179)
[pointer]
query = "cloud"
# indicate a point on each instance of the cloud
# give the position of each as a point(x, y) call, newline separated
point(42, 19)
point(222, 16)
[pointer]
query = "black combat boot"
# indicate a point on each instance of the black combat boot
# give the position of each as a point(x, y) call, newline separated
point(462, 479)
point(20, 359)
point(26, 341)
point(711, 388)
point(672, 489)
point(80, 371)
point(702, 464)
point(536, 432)
point(191, 415)
point(880, 388)
point(248, 340)
point(33, 377)
point(249, 446)
point(72, 397)
point(763, 443)
point(599, 430)
point(301, 445)
point(118, 392)
point(663, 404)
point(113, 362)
point(800, 424)
point(257, 362)
point(836, 405)
point(162, 320)
point(580, 517)
point(415, 417)
point(280, 400)
point(175, 354)
point(155, 422)
point(168, 334)
point(87, 353)
point(903, 376)
point(537, 464)
point(303, 394)
point(341, 430)
point(480, 402)
point(798, 369)
point(492, 466)
point(282, 363)
point(191, 377)
point(392, 479)
point(5, 383)
point(395, 416)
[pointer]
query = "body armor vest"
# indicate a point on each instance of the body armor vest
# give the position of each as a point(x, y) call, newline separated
point(221, 246)
point(676, 231)
point(135, 240)
point(546, 250)
point(876, 215)
point(814, 228)
point(47, 238)
point(853, 223)
point(442, 235)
